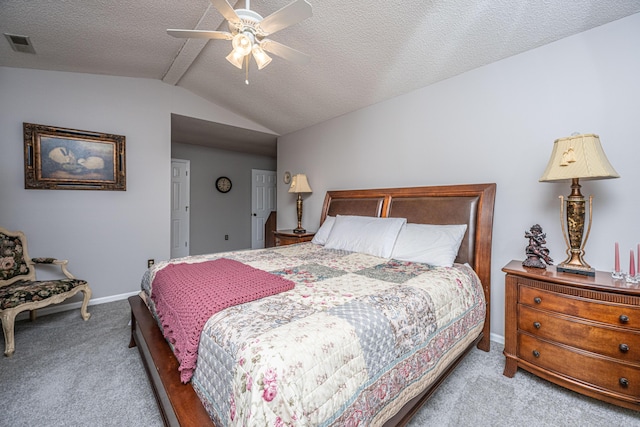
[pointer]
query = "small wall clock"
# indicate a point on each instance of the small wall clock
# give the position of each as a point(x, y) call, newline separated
point(223, 184)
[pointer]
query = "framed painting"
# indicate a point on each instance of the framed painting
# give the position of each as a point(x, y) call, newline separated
point(69, 159)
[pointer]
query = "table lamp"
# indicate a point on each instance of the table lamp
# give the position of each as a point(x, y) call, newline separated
point(574, 158)
point(299, 185)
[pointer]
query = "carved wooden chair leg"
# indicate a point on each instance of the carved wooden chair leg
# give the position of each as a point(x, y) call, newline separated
point(8, 321)
point(85, 303)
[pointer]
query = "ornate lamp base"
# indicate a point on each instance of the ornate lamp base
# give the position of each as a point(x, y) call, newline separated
point(299, 229)
point(573, 231)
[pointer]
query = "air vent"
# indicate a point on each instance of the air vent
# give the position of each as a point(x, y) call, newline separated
point(20, 43)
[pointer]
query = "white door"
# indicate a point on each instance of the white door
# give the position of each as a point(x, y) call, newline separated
point(263, 201)
point(179, 208)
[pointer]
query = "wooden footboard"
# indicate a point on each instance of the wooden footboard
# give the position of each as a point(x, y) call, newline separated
point(179, 404)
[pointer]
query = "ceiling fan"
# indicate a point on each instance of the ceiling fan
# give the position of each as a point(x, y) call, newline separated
point(248, 31)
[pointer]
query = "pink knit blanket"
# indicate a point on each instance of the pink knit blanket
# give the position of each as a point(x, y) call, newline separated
point(187, 295)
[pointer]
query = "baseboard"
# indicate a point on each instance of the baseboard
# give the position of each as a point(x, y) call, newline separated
point(497, 338)
point(57, 308)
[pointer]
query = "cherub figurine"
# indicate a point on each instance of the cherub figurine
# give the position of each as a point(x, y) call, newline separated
point(537, 254)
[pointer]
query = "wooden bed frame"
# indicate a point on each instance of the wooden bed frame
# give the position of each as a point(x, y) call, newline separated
point(454, 204)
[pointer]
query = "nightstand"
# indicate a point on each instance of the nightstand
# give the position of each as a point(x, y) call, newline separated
point(288, 237)
point(580, 332)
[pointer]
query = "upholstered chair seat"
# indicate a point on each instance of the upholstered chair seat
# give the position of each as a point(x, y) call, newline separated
point(19, 289)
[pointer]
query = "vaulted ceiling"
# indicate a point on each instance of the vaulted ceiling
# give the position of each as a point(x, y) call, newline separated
point(362, 52)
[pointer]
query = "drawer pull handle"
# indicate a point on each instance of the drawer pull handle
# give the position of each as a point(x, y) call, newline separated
point(624, 382)
point(624, 318)
point(537, 300)
point(536, 325)
point(536, 353)
point(624, 348)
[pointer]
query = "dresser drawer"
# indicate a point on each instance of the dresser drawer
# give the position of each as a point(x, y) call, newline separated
point(602, 373)
point(284, 241)
point(623, 344)
point(288, 237)
point(600, 311)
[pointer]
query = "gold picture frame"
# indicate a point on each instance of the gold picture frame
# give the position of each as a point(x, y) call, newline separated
point(68, 159)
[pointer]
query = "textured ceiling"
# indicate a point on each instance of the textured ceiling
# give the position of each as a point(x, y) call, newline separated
point(363, 52)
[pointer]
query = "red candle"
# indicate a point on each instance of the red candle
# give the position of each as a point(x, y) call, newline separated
point(632, 264)
point(617, 258)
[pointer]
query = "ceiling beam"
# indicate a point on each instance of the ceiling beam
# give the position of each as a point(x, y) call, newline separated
point(192, 47)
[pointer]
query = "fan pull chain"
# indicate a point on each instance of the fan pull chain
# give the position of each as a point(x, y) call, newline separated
point(246, 81)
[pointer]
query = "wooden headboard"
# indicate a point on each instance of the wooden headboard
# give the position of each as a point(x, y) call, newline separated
point(470, 204)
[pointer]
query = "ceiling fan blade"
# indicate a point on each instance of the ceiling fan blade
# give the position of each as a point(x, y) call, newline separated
point(285, 52)
point(226, 10)
point(291, 14)
point(200, 34)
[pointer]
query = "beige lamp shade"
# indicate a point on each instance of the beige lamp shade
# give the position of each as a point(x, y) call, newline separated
point(579, 156)
point(299, 184)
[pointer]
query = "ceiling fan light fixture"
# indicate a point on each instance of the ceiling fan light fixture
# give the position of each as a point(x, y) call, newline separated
point(261, 57)
point(248, 31)
point(236, 59)
point(242, 43)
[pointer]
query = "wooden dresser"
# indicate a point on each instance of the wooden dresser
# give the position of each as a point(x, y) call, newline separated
point(580, 332)
point(288, 237)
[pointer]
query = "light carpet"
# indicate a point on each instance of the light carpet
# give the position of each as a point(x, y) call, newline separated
point(68, 372)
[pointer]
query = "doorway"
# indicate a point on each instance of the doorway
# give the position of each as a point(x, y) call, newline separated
point(263, 201)
point(180, 183)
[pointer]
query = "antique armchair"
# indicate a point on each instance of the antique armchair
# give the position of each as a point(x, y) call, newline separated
point(19, 289)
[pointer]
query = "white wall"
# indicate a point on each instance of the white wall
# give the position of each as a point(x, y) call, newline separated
point(495, 124)
point(214, 214)
point(106, 235)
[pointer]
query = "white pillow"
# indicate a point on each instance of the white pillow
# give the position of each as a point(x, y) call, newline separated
point(365, 234)
point(320, 238)
point(432, 244)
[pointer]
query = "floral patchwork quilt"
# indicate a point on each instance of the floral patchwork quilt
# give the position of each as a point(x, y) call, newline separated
point(357, 337)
